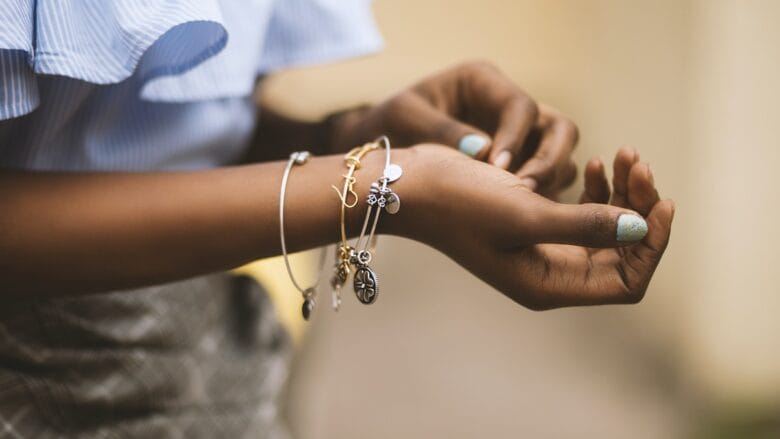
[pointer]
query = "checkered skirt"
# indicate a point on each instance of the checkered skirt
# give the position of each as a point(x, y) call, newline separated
point(201, 358)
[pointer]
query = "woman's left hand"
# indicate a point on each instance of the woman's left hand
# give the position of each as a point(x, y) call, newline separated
point(475, 108)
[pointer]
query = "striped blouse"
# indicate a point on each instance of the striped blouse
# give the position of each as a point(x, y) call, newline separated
point(150, 84)
point(140, 85)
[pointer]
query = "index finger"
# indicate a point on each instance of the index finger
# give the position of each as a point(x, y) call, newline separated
point(558, 140)
point(499, 106)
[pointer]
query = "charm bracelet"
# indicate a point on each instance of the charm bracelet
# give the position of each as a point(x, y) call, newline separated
point(349, 199)
point(381, 197)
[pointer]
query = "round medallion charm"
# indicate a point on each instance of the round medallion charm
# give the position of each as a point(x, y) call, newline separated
point(366, 285)
point(393, 172)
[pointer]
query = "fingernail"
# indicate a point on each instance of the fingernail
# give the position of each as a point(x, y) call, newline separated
point(630, 228)
point(472, 144)
point(530, 183)
point(503, 160)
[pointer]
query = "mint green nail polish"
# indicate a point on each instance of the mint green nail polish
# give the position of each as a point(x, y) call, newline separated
point(630, 228)
point(472, 144)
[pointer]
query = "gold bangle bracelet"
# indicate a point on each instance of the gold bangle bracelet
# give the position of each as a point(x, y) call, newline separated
point(348, 199)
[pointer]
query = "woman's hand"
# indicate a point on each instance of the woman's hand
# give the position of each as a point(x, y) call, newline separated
point(476, 109)
point(540, 253)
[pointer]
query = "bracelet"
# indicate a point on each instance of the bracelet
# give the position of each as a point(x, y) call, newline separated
point(342, 265)
point(381, 197)
point(365, 282)
point(309, 294)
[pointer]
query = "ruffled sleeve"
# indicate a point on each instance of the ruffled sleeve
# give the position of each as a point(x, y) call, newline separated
point(18, 91)
point(268, 35)
point(160, 44)
point(317, 31)
point(101, 42)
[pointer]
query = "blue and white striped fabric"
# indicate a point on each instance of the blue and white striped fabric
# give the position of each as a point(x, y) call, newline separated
point(153, 84)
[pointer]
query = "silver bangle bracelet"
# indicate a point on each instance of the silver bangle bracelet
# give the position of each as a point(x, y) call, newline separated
point(365, 281)
point(297, 158)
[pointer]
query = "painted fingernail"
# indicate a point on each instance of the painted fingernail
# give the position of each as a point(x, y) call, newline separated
point(472, 144)
point(630, 228)
point(530, 183)
point(503, 160)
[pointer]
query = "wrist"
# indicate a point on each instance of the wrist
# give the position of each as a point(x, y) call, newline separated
point(410, 188)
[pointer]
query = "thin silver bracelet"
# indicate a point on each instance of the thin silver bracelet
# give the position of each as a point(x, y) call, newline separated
point(309, 294)
point(365, 281)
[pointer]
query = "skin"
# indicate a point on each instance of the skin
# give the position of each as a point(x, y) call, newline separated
point(475, 98)
point(74, 233)
point(471, 98)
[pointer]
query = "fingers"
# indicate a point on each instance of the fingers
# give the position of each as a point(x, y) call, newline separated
point(550, 167)
point(488, 98)
point(561, 275)
point(596, 184)
point(639, 263)
point(415, 120)
point(624, 160)
point(642, 195)
point(518, 116)
point(589, 225)
point(572, 275)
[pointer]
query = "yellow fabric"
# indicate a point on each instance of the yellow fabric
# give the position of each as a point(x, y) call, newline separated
point(272, 274)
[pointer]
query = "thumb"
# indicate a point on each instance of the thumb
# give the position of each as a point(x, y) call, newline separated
point(589, 225)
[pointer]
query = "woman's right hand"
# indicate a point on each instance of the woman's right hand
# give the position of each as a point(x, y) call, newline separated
point(539, 253)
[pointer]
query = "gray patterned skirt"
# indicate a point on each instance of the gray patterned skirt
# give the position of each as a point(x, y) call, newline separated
point(201, 358)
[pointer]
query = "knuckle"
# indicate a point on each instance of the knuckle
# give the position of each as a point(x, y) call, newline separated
point(571, 131)
point(533, 305)
point(479, 67)
point(536, 302)
point(569, 174)
point(543, 170)
point(524, 104)
point(399, 103)
point(595, 226)
point(446, 129)
point(633, 297)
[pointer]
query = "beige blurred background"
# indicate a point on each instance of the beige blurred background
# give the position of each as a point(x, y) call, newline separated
point(694, 86)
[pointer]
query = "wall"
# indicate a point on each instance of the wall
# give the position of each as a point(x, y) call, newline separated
point(693, 86)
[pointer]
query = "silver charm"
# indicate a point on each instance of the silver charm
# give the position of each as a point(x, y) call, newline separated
point(393, 173)
point(300, 157)
point(373, 194)
point(308, 303)
point(393, 203)
point(340, 275)
point(366, 285)
point(336, 300)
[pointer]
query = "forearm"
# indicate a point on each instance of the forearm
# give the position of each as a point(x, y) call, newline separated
point(68, 233)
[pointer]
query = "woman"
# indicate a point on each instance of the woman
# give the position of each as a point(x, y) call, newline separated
point(118, 318)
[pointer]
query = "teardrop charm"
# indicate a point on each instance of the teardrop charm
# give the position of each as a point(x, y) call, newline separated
point(336, 300)
point(393, 204)
point(308, 308)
